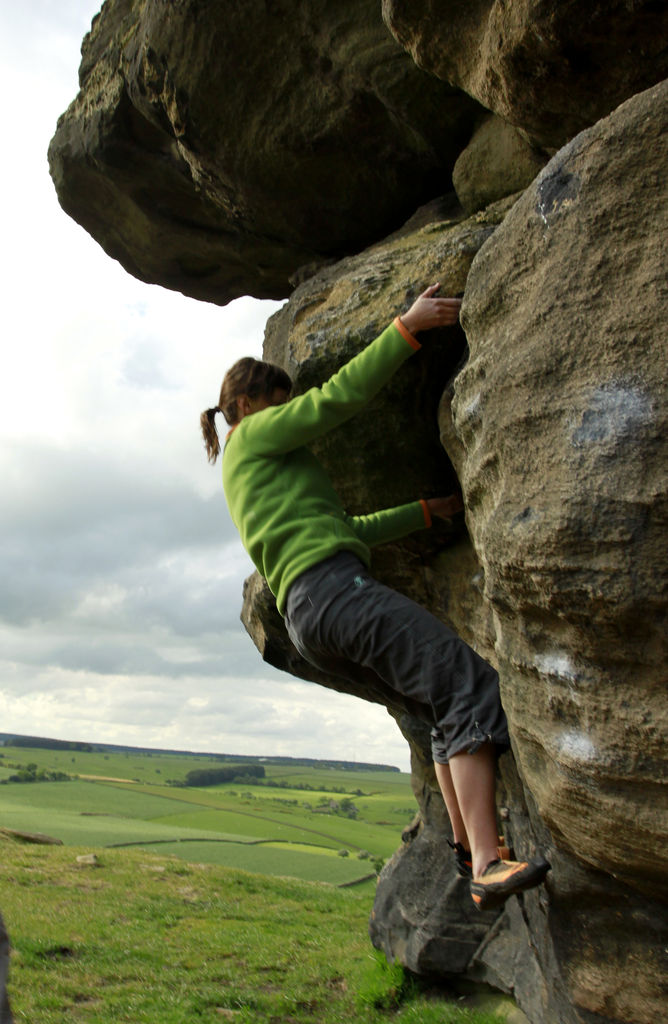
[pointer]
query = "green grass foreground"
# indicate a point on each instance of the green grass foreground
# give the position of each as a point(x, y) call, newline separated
point(148, 938)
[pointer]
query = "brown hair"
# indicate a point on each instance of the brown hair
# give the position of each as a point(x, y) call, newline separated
point(248, 376)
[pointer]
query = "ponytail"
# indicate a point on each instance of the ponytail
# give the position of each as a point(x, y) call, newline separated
point(250, 377)
point(207, 422)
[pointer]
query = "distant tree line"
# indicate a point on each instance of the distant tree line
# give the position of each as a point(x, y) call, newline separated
point(47, 744)
point(247, 773)
point(10, 739)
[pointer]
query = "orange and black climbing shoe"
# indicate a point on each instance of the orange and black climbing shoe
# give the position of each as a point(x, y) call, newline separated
point(503, 878)
point(463, 860)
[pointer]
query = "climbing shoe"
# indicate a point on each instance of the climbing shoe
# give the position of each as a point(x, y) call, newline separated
point(503, 878)
point(463, 860)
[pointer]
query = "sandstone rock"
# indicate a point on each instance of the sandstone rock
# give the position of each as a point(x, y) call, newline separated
point(561, 412)
point(549, 68)
point(217, 149)
point(29, 837)
point(338, 312)
point(561, 416)
point(497, 162)
point(548, 431)
point(414, 886)
point(423, 914)
point(88, 860)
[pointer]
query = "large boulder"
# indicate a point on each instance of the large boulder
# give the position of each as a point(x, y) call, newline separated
point(547, 67)
point(497, 162)
point(561, 417)
point(423, 915)
point(218, 148)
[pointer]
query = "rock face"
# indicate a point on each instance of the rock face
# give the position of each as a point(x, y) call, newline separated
point(548, 406)
point(566, 491)
point(554, 427)
point(496, 162)
point(547, 67)
point(561, 411)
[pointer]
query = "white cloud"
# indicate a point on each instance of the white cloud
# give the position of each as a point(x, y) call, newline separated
point(229, 715)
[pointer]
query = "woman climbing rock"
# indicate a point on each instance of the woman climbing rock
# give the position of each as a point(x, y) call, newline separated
point(315, 558)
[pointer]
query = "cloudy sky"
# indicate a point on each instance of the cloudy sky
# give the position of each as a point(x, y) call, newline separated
point(120, 570)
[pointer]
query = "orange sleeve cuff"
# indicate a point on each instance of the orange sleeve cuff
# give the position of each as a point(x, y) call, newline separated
point(406, 334)
point(426, 512)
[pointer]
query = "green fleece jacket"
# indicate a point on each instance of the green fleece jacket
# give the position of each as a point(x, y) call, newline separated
point(278, 493)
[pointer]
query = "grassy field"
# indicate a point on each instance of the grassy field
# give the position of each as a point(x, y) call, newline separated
point(314, 823)
point(149, 939)
point(166, 929)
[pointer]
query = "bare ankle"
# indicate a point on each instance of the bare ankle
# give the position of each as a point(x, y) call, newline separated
point(481, 859)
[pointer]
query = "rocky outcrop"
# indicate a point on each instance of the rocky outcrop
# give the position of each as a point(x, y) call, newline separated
point(29, 837)
point(548, 406)
point(561, 417)
point(547, 67)
point(566, 495)
point(216, 149)
point(554, 426)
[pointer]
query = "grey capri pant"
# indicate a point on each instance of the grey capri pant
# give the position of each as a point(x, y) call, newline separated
point(348, 624)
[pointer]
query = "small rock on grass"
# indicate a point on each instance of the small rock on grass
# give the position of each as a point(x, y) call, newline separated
point(88, 860)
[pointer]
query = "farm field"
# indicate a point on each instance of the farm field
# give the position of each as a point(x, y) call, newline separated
point(141, 937)
point(319, 824)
